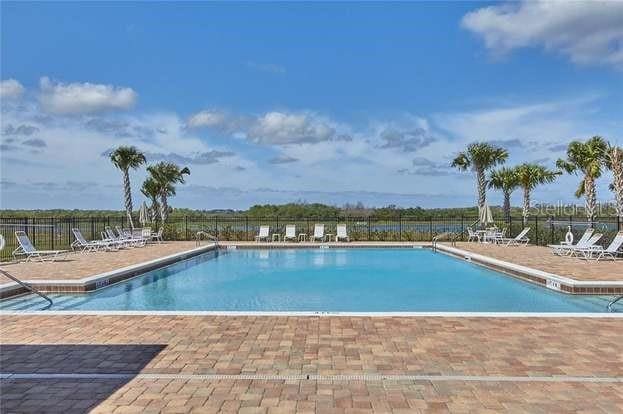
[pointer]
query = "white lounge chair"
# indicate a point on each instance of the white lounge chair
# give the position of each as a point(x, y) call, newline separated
point(519, 240)
point(568, 250)
point(290, 233)
point(564, 248)
point(85, 245)
point(598, 252)
point(263, 234)
point(592, 242)
point(119, 239)
point(342, 234)
point(136, 240)
point(26, 248)
point(318, 233)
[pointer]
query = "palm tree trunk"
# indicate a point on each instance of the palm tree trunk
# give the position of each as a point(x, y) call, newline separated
point(164, 209)
point(526, 205)
point(591, 198)
point(128, 197)
point(507, 206)
point(153, 210)
point(482, 187)
point(617, 182)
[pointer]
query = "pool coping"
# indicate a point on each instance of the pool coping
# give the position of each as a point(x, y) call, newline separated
point(318, 314)
point(101, 280)
point(546, 279)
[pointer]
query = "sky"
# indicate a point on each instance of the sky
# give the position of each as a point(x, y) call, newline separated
point(317, 102)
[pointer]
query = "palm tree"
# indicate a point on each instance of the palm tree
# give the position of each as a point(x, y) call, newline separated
point(529, 177)
point(587, 158)
point(166, 175)
point(124, 158)
point(480, 157)
point(613, 160)
point(506, 180)
point(151, 190)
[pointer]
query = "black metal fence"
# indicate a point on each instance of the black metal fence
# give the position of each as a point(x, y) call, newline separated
point(55, 233)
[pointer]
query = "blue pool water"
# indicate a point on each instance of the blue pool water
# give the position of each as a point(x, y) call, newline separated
point(356, 280)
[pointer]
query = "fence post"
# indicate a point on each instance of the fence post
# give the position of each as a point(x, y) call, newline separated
point(536, 229)
point(618, 223)
point(54, 233)
point(551, 229)
point(216, 226)
point(246, 228)
point(399, 226)
point(430, 227)
point(186, 226)
point(368, 228)
point(462, 227)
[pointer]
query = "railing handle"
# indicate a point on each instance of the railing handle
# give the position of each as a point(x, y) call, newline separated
point(28, 287)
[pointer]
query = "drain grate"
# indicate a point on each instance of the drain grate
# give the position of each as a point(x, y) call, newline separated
point(311, 377)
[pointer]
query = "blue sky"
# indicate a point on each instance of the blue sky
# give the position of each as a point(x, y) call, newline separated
point(324, 102)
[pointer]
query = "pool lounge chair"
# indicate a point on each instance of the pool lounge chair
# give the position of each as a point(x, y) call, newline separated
point(519, 240)
point(564, 248)
point(342, 234)
point(263, 234)
point(111, 236)
point(137, 240)
point(290, 233)
point(26, 248)
point(591, 243)
point(318, 233)
point(598, 252)
point(85, 245)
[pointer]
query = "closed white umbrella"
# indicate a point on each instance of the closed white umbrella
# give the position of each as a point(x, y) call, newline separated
point(143, 214)
point(484, 214)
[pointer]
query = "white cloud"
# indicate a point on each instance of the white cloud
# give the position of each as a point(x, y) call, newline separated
point(207, 118)
point(10, 89)
point(279, 128)
point(79, 98)
point(271, 128)
point(585, 31)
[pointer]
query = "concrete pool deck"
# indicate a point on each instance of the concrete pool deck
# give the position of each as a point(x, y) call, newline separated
point(122, 364)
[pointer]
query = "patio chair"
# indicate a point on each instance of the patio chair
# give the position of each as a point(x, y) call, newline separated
point(26, 248)
point(342, 234)
point(290, 233)
point(598, 252)
point(157, 236)
point(472, 235)
point(146, 234)
point(564, 248)
point(519, 240)
point(318, 233)
point(263, 234)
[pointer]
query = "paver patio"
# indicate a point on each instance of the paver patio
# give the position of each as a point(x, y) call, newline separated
point(78, 265)
point(449, 346)
point(541, 258)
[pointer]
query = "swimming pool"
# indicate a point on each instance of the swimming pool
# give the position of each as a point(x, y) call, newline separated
point(325, 280)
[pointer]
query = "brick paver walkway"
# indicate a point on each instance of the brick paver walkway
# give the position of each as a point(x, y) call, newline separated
point(78, 266)
point(541, 258)
point(517, 347)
